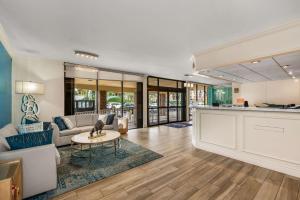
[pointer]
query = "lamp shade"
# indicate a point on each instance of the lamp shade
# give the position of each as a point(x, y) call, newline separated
point(28, 87)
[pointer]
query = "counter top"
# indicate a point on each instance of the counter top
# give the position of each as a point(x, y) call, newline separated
point(247, 109)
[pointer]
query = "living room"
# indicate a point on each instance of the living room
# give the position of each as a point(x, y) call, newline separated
point(149, 100)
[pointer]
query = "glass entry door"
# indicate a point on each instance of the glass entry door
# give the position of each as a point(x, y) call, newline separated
point(172, 106)
point(166, 101)
point(163, 107)
point(152, 108)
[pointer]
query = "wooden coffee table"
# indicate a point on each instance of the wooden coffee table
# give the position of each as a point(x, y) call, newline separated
point(83, 139)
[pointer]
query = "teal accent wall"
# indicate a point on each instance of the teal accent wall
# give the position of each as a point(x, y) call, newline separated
point(5, 86)
point(217, 94)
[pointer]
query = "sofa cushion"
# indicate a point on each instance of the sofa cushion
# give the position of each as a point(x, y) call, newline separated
point(86, 128)
point(28, 140)
point(84, 120)
point(31, 128)
point(110, 119)
point(6, 131)
point(67, 132)
point(108, 127)
point(72, 119)
point(60, 123)
point(69, 123)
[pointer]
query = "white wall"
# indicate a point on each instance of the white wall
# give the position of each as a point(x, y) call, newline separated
point(278, 92)
point(48, 72)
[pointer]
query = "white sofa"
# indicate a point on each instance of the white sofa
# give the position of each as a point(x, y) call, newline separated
point(82, 123)
point(38, 167)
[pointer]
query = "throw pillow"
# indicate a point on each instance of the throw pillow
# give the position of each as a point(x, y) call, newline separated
point(28, 140)
point(30, 121)
point(6, 131)
point(29, 128)
point(47, 126)
point(110, 119)
point(102, 118)
point(60, 123)
point(68, 123)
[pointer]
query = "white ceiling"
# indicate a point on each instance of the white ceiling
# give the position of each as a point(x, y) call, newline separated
point(154, 37)
point(265, 70)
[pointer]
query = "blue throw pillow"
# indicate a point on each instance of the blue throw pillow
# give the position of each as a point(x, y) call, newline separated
point(110, 119)
point(47, 126)
point(60, 123)
point(28, 140)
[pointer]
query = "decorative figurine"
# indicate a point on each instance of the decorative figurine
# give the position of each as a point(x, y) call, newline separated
point(98, 127)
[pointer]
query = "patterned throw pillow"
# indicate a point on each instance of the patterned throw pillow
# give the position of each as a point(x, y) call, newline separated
point(60, 123)
point(28, 140)
point(30, 128)
point(30, 121)
point(68, 123)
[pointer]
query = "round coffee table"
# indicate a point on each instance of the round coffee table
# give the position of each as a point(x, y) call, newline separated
point(83, 139)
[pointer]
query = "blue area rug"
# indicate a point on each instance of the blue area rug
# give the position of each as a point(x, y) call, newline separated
point(179, 125)
point(76, 172)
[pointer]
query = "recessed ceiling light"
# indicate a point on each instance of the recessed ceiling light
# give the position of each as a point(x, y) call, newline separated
point(221, 76)
point(285, 66)
point(86, 54)
point(188, 75)
point(290, 73)
point(294, 77)
point(255, 61)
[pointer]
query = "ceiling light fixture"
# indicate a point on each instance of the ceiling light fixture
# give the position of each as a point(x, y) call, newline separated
point(294, 77)
point(290, 73)
point(188, 85)
point(221, 76)
point(188, 75)
point(86, 54)
point(255, 61)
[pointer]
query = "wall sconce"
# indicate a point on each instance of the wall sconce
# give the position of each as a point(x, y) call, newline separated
point(29, 105)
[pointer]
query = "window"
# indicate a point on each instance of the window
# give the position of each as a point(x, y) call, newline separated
point(85, 95)
point(167, 83)
point(153, 81)
point(93, 91)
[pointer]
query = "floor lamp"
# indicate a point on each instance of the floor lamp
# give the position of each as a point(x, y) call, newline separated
point(29, 104)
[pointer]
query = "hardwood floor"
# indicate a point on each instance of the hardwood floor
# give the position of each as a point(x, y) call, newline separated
point(187, 173)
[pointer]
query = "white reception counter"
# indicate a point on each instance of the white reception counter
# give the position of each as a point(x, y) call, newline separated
point(268, 138)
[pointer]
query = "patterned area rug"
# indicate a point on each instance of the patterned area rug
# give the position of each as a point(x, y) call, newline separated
point(75, 172)
point(179, 125)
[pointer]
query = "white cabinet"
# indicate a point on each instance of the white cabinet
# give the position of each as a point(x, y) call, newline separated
point(267, 139)
point(218, 129)
point(277, 138)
